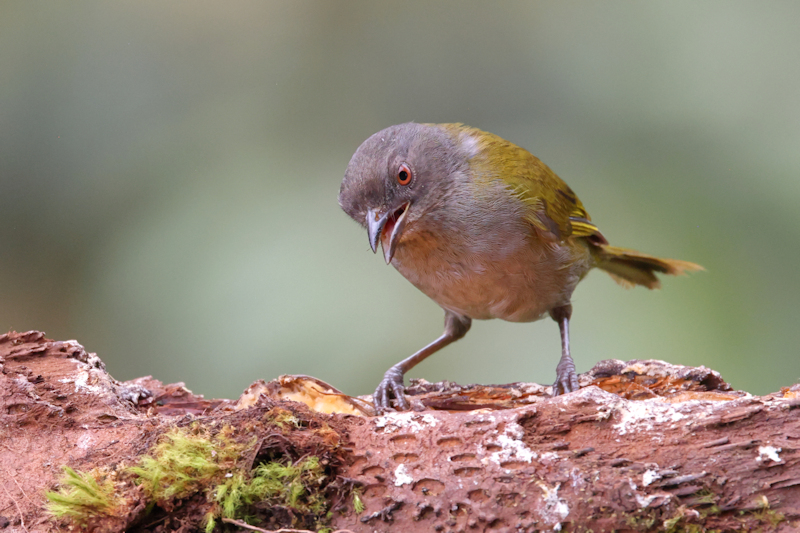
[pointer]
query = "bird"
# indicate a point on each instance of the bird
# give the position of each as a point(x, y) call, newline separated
point(483, 228)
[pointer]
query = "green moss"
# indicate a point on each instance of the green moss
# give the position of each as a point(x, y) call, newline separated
point(83, 495)
point(640, 522)
point(191, 461)
point(296, 486)
point(769, 516)
point(358, 505)
point(282, 418)
point(183, 463)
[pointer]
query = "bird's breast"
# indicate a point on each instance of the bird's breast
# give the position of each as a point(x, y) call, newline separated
point(506, 273)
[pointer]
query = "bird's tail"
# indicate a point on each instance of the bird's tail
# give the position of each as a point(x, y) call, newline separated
point(630, 268)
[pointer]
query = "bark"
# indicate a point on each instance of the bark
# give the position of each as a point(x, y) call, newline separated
point(642, 446)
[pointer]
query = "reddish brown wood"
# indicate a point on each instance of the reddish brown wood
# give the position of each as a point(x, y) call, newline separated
point(643, 446)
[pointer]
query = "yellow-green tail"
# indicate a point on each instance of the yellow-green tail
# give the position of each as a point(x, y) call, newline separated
point(630, 268)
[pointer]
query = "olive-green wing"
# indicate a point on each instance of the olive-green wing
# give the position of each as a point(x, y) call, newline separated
point(553, 208)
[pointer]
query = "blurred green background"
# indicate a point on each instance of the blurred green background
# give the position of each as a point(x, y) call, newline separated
point(169, 174)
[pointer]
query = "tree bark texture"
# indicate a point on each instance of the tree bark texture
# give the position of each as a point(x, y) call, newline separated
point(642, 446)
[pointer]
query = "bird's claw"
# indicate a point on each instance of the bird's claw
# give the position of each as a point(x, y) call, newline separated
point(566, 380)
point(391, 386)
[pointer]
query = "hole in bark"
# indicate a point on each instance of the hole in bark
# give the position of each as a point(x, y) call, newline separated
point(528, 423)
point(17, 408)
point(462, 457)
point(373, 471)
point(497, 523)
point(469, 423)
point(467, 471)
point(359, 462)
point(478, 495)
point(425, 513)
point(513, 465)
point(429, 487)
point(459, 515)
point(403, 440)
point(374, 491)
point(509, 499)
point(405, 457)
point(449, 442)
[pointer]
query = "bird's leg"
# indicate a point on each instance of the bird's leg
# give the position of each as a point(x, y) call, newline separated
point(566, 379)
point(455, 327)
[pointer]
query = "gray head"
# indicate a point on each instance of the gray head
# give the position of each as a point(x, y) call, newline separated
point(398, 175)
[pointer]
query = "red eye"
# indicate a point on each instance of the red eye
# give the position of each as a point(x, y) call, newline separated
point(404, 175)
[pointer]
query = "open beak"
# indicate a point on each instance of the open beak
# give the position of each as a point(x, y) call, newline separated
point(387, 227)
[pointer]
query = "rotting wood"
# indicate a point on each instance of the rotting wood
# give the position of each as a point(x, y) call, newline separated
point(643, 446)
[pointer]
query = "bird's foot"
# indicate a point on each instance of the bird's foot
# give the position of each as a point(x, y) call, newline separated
point(566, 379)
point(390, 386)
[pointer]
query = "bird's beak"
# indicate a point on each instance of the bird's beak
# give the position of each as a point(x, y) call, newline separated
point(386, 227)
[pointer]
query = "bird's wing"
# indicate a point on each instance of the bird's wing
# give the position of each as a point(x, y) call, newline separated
point(553, 207)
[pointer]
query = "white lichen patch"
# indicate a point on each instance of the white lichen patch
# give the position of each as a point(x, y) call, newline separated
point(81, 380)
point(511, 446)
point(85, 441)
point(555, 509)
point(410, 421)
point(649, 477)
point(641, 415)
point(645, 415)
point(577, 480)
point(549, 457)
point(401, 476)
point(768, 453)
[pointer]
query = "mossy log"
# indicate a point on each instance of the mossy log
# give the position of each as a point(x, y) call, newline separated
point(642, 446)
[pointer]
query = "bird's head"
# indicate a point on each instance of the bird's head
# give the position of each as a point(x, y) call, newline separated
point(398, 176)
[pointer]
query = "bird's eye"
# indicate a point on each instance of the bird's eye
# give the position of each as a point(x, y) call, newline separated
point(404, 175)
